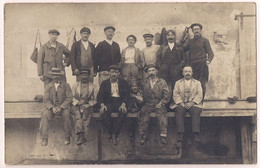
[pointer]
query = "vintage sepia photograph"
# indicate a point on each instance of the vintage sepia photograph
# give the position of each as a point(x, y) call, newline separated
point(130, 83)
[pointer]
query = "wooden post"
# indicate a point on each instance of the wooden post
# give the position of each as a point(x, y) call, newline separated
point(246, 142)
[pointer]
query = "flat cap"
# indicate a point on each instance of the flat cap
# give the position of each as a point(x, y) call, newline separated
point(149, 66)
point(148, 35)
point(85, 29)
point(52, 31)
point(114, 67)
point(110, 27)
point(196, 24)
point(133, 36)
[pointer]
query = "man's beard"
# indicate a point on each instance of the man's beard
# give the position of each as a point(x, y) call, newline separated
point(152, 76)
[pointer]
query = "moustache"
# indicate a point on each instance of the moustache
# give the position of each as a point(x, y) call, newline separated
point(170, 38)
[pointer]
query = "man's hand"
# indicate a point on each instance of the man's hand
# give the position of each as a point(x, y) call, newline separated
point(207, 62)
point(81, 102)
point(123, 108)
point(189, 105)
point(83, 107)
point(158, 106)
point(103, 108)
point(134, 110)
point(76, 72)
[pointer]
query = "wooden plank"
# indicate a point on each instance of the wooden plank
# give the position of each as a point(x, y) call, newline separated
point(246, 141)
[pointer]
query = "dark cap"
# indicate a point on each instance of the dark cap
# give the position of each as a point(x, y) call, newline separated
point(131, 36)
point(110, 27)
point(85, 29)
point(150, 66)
point(148, 35)
point(196, 24)
point(52, 31)
point(114, 67)
point(172, 31)
point(85, 71)
point(56, 71)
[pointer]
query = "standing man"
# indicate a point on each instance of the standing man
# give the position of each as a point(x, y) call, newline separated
point(107, 54)
point(51, 55)
point(187, 95)
point(57, 100)
point(200, 55)
point(170, 60)
point(113, 96)
point(84, 98)
point(156, 94)
point(132, 61)
point(83, 54)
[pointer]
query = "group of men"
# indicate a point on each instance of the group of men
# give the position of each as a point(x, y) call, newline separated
point(152, 80)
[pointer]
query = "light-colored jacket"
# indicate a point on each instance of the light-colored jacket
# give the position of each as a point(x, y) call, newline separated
point(89, 98)
point(139, 58)
point(195, 96)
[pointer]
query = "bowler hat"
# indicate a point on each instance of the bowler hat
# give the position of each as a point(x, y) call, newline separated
point(56, 71)
point(148, 35)
point(52, 31)
point(110, 27)
point(149, 66)
point(85, 29)
point(196, 24)
point(114, 67)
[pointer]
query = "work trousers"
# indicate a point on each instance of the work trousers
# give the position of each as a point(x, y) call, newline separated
point(201, 73)
point(48, 114)
point(82, 120)
point(195, 118)
point(113, 125)
point(144, 118)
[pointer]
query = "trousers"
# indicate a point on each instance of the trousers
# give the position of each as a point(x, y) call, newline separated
point(82, 120)
point(47, 115)
point(144, 119)
point(195, 118)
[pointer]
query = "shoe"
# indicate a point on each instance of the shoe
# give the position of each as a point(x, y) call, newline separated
point(116, 140)
point(80, 139)
point(196, 137)
point(44, 142)
point(67, 141)
point(143, 139)
point(110, 138)
point(180, 137)
point(163, 140)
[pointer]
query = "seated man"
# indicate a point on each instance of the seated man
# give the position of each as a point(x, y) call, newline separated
point(57, 100)
point(84, 98)
point(187, 96)
point(113, 97)
point(156, 95)
point(135, 105)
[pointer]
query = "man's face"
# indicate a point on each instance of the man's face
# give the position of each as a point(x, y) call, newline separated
point(196, 31)
point(56, 78)
point(170, 37)
point(85, 36)
point(148, 41)
point(114, 74)
point(109, 34)
point(53, 37)
point(134, 88)
point(131, 41)
point(152, 72)
point(187, 72)
point(84, 77)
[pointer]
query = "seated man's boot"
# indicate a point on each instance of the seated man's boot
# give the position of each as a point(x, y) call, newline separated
point(80, 139)
point(67, 141)
point(196, 137)
point(143, 139)
point(163, 140)
point(110, 138)
point(44, 142)
point(116, 139)
point(180, 137)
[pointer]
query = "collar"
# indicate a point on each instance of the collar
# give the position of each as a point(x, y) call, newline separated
point(197, 37)
point(85, 42)
point(49, 44)
point(60, 84)
point(114, 82)
point(171, 45)
point(109, 41)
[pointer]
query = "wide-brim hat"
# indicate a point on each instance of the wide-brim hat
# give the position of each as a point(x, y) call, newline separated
point(52, 31)
point(110, 27)
point(150, 66)
point(196, 24)
point(56, 71)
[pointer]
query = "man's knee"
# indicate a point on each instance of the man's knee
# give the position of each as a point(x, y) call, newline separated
point(66, 113)
point(47, 114)
point(179, 109)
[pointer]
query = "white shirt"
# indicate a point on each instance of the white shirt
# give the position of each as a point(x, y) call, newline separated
point(130, 55)
point(85, 44)
point(53, 45)
point(56, 85)
point(109, 41)
point(171, 45)
point(152, 82)
point(114, 89)
point(187, 90)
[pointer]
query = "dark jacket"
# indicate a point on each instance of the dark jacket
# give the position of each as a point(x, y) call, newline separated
point(64, 94)
point(75, 56)
point(104, 94)
point(107, 55)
